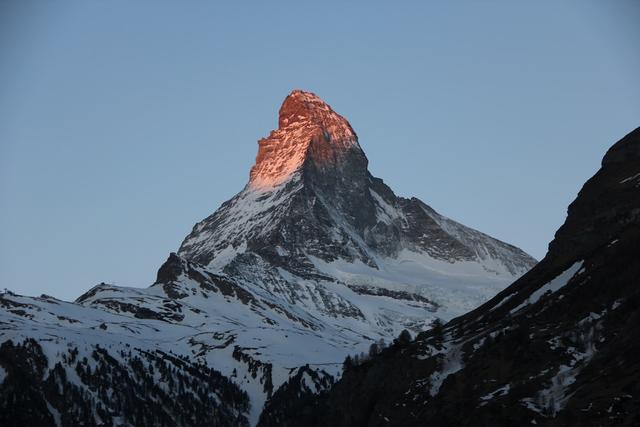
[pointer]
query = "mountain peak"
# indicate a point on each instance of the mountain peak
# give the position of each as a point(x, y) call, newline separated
point(308, 128)
point(301, 106)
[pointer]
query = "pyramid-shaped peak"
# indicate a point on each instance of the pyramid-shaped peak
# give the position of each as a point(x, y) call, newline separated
point(308, 129)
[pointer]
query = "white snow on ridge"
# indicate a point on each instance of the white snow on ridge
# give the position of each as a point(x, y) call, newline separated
point(457, 287)
point(553, 286)
point(490, 252)
point(502, 302)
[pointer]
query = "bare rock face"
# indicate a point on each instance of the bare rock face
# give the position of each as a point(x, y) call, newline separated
point(308, 131)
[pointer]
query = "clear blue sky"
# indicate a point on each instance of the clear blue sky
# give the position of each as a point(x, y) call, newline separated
point(123, 123)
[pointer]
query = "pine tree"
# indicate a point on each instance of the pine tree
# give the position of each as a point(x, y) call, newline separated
point(437, 328)
point(403, 339)
point(381, 344)
point(373, 350)
point(347, 364)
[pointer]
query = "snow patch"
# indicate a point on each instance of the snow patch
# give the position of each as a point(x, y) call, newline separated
point(450, 364)
point(631, 178)
point(553, 286)
point(502, 391)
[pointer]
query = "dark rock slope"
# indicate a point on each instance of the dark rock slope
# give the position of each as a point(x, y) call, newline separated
point(558, 347)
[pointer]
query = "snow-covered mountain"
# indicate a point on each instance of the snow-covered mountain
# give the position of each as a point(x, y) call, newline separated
point(312, 211)
point(313, 260)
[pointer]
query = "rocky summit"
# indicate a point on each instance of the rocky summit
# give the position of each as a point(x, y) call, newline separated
point(315, 259)
point(308, 131)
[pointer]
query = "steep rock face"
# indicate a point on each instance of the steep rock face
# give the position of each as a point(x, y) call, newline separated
point(558, 347)
point(309, 131)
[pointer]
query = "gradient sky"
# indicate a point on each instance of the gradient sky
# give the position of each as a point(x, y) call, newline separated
point(123, 123)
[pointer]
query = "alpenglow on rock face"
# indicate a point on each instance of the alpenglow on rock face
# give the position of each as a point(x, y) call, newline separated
point(308, 130)
point(313, 260)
